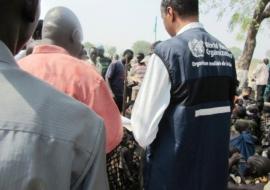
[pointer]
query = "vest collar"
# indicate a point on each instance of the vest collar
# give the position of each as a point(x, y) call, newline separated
point(190, 26)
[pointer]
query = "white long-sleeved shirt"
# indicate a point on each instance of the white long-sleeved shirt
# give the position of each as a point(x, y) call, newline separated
point(261, 74)
point(153, 98)
point(152, 101)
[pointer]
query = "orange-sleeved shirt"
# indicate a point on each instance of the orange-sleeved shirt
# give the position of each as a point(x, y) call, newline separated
point(80, 80)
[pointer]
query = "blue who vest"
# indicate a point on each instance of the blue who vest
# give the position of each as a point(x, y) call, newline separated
point(190, 151)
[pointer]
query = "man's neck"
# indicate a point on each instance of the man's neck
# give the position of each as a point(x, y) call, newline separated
point(11, 44)
point(182, 22)
point(47, 41)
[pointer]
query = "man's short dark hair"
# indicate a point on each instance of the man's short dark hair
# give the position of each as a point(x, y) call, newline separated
point(266, 61)
point(38, 32)
point(128, 52)
point(140, 56)
point(92, 50)
point(182, 7)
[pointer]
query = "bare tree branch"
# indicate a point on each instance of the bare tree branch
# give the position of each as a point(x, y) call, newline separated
point(266, 12)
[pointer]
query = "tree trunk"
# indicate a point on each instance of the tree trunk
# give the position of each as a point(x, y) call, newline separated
point(250, 44)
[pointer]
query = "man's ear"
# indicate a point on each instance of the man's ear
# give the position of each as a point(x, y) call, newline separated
point(30, 9)
point(170, 13)
point(76, 36)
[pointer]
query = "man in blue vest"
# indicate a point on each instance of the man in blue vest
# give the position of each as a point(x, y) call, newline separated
point(182, 113)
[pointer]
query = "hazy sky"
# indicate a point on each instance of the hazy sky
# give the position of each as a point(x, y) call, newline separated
point(122, 22)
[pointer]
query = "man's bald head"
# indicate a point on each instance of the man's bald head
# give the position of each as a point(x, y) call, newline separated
point(62, 27)
point(18, 21)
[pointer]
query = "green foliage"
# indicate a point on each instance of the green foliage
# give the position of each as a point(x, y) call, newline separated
point(240, 36)
point(88, 45)
point(111, 50)
point(239, 11)
point(236, 52)
point(141, 47)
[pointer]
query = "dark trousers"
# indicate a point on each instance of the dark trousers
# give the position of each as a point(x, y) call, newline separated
point(119, 102)
point(260, 92)
point(260, 96)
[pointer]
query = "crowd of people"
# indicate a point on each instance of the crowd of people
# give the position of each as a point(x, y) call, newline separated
point(249, 140)
point(73, 118)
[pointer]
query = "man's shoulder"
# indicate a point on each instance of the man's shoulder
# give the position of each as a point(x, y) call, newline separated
point(166, 48)
point(116, 64)
point(193, 38)
point(47, 111)
point(167, 44)
point(83, 68)
point(119, 63)
point(70, 118)
point(23, 82)
point(172, 45)
point(67, 63)
point(61, 59)
point(88, 75)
